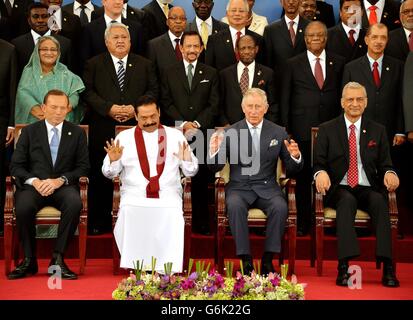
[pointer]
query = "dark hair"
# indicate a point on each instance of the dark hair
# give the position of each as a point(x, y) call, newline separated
point(55, 92)
point(244, 37)
point(342, 2)
point(36, 5)
point(190, 33)
point(145, 100)
point(379, 26)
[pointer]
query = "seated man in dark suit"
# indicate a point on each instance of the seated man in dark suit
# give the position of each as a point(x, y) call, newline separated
point(351, 164)
point(158, 11)
point(256, 144)
point(50, 157)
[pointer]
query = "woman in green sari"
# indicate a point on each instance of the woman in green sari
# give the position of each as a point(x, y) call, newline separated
point(44, 72)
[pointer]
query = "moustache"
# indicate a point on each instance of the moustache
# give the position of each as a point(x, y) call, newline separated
point(150, 124)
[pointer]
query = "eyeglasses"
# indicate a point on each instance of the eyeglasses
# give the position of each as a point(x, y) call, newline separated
point(54, 50)
point(407, 12)
point(174, 18)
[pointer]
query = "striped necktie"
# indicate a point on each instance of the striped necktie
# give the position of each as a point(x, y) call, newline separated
point(121, 74)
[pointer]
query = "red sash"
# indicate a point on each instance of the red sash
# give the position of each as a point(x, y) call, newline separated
point(152, 189)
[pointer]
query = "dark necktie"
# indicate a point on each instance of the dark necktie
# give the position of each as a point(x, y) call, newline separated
point(351, 37)
point(54, 144)
point(318, 73)
point(83, 17)
point(411, 41)
point(244, 81)
point(178, 52)
point(376, 75)
point(292, 32)
point(121, 74)
point(8, 7)
point(352, 174)
point(189, 75)
point(236, 43)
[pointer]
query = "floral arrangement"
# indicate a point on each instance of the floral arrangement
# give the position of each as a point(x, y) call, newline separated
point(206, 284)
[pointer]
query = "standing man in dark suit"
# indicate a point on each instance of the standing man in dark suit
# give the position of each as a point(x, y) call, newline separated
point(114, 82)
point(221, 46)
point(190, 98)
point(347, 37)
point(253, 158)
point(83, 9)
point(8, 84)
point(238, 78)
point(93, 35)
point(382, 77)
point(159, 11)
point(164, 50)
point(13, 14)
point(50, 157)
point(381, 11)
point(313, 10)
point(284, 38)
point(351, 164)
point(310, 95)
point(401, 39)
point(38, 17)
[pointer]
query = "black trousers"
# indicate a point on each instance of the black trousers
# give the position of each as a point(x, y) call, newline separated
point(346, 200)
point(29, 202)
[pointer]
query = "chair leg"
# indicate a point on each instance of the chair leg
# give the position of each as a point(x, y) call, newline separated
point(187, 246)
point(312, 247)
point(82, 246)
point(319, 248)
point(394, 245)
point(115, 257)
point(219, 248)
point(8, 247)
point(292, 242)
point(378, 264)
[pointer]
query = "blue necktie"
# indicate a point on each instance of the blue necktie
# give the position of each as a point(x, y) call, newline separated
point(54, 144)
point(255, 139)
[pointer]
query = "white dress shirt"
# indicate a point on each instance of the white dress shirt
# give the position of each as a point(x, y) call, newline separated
point(172, 37)
point(296, 20)
point(379, 61)
point(251, 70)
point(109, 20)
point(233, 32)
point(356, 29)
point(88, 10)
point(313, 59)
point(36, 36)
point(379, 10)
point(116, 64)
point(208, 23)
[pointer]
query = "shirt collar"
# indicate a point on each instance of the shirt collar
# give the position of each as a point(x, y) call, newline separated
point(312, 57)
point(109, 20)
point(296, 20)
point(36, 36)
point(186, 64)
point(207, 21)
point(115, 61)
point(89, 5)
point(250, 67)
point(173, 37)
point(407, 32)
point(347, 28)
point(50, 127)
point(234, 31)
point(250, 126)
point(379, 60)
point(357, 124)
point(379, 4)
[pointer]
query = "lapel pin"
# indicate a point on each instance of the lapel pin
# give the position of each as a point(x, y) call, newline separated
point(16, 5)
point(364, 130)
point(227, 41)
point(259, 72)
point(69, 133)
point(64, 19)
point(200, 71)
point(300, 30)
point(331, 63)
point(132, 12)
point(130, 64)
point(387, 68)
point(360, 45)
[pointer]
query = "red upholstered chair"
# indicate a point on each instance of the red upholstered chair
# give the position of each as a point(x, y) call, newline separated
point(187, 212)
point(46, 216)
point(325, 217)
point(256, 217)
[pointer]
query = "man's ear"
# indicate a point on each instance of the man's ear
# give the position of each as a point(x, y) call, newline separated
point(69, 107)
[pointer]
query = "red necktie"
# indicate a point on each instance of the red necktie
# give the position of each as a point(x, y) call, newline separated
point(178, 52)
point(411, 41)
point(236, 43)
point(244, 81)
point(373, 15)
point(376, 75)
point(292, 32)
point(351, 37)
point(318, 73)
point(352, 174)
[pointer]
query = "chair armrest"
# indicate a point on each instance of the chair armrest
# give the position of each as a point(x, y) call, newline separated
point(220, 197)
point(9, 201)
point(187, 205)
point(393, 211)
point(318, 203)
point(116, 199)
point(83, 186)
point(290, 185)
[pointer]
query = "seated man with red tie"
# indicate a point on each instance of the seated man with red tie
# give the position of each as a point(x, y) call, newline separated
point(352, 163)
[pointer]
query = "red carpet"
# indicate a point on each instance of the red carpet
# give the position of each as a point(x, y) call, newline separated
point(98, 283)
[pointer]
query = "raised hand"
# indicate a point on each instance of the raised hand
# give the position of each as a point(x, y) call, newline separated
point(184, 152)
point(292, 148)
point(114, 150)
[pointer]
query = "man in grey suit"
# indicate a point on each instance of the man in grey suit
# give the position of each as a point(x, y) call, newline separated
point(252, 146)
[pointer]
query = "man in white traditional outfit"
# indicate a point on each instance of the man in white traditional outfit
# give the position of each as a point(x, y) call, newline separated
point(148, 158)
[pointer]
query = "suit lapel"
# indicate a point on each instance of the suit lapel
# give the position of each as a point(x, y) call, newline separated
point(166, 43)
point(234, 76)
point(64, 141)
point(45, 142)
point(130, 69)
point(285, 33)
point(111, 69)
point(344, 38)
point(182, 74)
point(343, 137)
point(385, 71)
point(306, 68)
point(363, 138)
point(258, 76)
point(227, 40)
point(366, 69)
point(199, 74)
point(329, 69)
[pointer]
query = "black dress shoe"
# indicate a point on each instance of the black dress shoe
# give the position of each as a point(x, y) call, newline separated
point(66, 273)
point(248, 267)
point(389, 277)
point(27, 267)
point(343, 275)
point(267, 267)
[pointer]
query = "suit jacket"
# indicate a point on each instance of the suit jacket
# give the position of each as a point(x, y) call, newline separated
point(258, 23)
point(220, 53)
point(18, 18)
point(303, 104)
point(390, 16)
point(8, 84)
point(384, 104)
point(157, 17)
point(245, 175)
point(93, 38)
point(331, 152)
point(398, 47)
point(408, 93)
point(324, 13)
point(278, 46)
point(198, 103)
point(71, 27)
point(162, 53)
point(337, 42)
point(102, 91)
point(25, 46)
point(231, 95)
point(32, 157)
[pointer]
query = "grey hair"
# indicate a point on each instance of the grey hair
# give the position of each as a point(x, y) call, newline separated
point(51, 38)
point(255, 92)
point(115, 25)
point(402, 5)
point(247, 7)
point(353, 85)
point(316, 23)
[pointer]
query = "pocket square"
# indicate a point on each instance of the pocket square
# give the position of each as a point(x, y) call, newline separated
point(273, 142)
point(371, 144)
point(204, 81)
